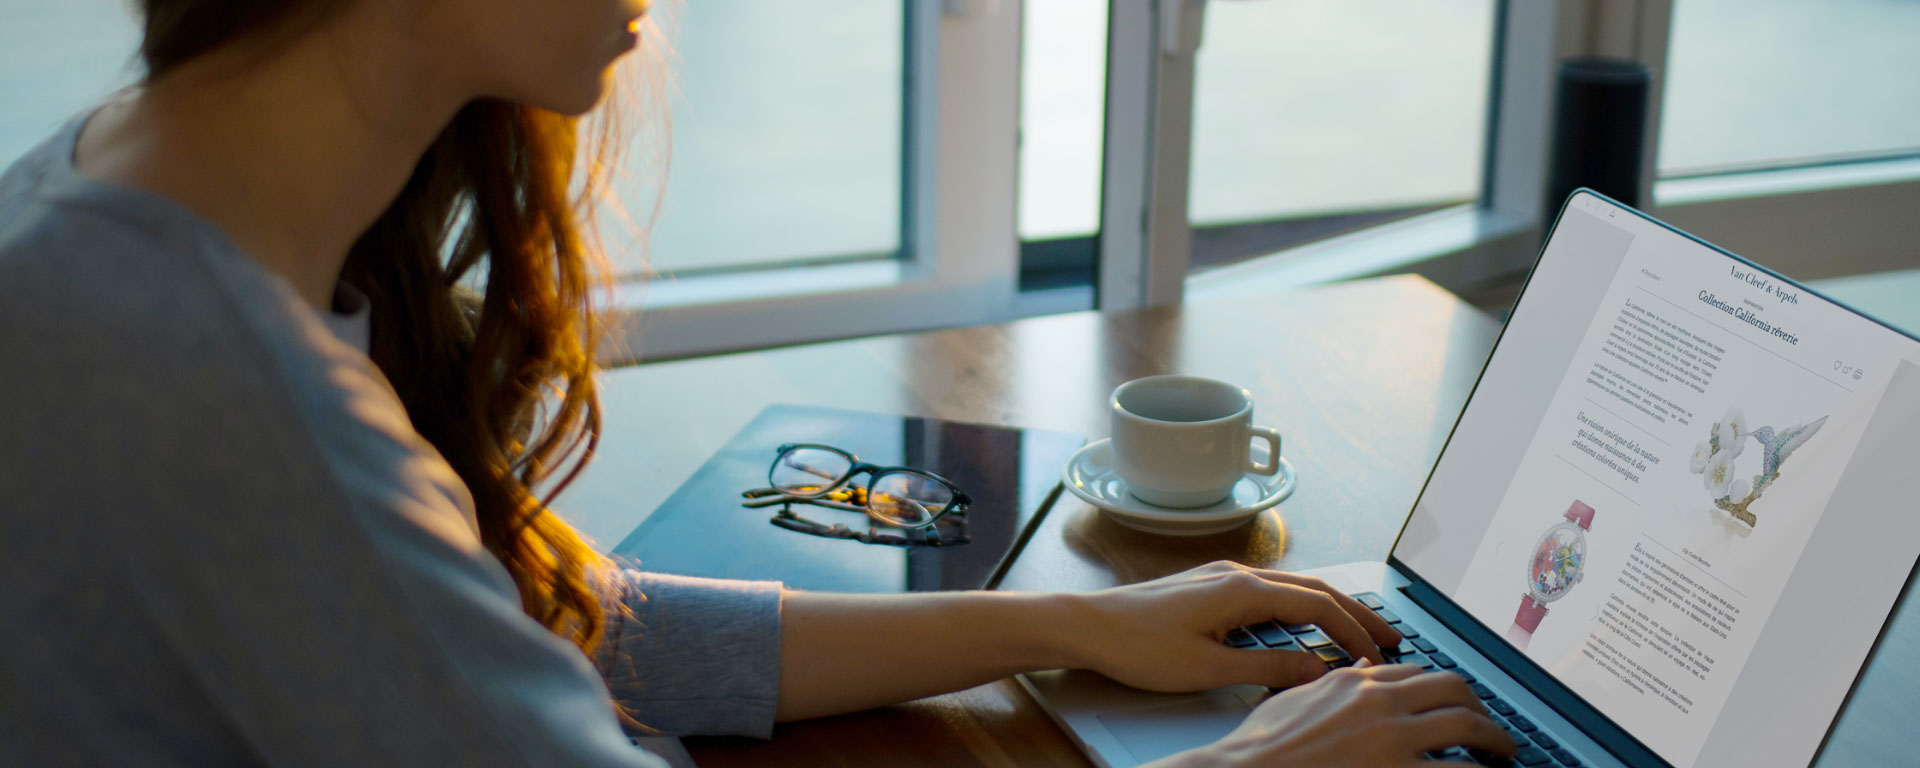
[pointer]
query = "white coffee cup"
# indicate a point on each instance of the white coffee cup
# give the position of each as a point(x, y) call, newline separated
point(1184, 441)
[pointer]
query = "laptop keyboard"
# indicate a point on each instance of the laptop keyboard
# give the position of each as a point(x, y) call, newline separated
point(1537, 747)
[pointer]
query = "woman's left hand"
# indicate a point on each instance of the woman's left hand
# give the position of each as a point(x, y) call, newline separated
point(1167, 634)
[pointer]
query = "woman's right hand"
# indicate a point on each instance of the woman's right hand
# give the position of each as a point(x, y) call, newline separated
point(1363, 715)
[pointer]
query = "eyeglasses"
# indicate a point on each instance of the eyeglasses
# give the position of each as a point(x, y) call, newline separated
point(896, 497)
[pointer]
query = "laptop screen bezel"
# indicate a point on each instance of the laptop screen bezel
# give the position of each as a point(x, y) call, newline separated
point(1489, 643)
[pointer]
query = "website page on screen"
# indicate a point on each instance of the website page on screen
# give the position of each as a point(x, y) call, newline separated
point(1677, 489)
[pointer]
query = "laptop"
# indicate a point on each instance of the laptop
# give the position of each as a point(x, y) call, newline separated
point(1668, 528)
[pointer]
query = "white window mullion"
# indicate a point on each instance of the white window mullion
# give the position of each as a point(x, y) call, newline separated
point(1520, 127)
point(1653, 29)
point(974, 155)
point(1145, 235)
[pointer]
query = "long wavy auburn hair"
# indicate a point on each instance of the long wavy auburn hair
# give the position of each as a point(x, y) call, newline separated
point(499, 382)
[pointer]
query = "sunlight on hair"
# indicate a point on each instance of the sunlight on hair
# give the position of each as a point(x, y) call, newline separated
point(627, 144)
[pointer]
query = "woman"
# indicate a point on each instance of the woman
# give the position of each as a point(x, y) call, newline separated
point(276, 486)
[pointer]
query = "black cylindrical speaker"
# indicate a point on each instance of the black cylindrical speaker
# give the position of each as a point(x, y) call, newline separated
point(1599, 130)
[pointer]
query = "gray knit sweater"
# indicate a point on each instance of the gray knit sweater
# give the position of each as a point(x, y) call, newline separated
point(222, 542)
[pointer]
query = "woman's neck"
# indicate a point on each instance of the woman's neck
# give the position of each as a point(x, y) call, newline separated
point(293, 153)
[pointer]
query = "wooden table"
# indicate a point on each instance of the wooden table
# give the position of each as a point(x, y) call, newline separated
point(1364, 379)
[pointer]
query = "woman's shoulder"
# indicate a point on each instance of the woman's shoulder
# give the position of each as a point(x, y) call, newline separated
point(99, 290)
point(117, 276)
point(134, 329)
point(88, 260)
point(46, 203)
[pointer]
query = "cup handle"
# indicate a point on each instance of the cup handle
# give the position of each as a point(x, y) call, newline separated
point(1272, 467)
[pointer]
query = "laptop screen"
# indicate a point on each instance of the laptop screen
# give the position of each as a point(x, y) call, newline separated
point(1683, 486)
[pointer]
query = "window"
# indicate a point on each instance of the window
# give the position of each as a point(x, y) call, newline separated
point(1337, 141)
point(1789, 82)
point(1789, 132)
point(1063, 58)
point(1315, 117)
point(957, 133)
point(1783, 131)
point(904, 164)
point(787, 127)
point(841, 172)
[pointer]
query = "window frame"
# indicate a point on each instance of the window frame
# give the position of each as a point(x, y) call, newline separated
point(1457, 247)
point(959, 250)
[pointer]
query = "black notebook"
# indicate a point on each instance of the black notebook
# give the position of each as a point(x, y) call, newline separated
point(1012, 475)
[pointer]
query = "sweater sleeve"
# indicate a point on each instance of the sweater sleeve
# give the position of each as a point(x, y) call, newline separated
point(689, 655)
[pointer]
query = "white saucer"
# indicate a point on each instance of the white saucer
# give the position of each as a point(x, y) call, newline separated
point(1090, 475)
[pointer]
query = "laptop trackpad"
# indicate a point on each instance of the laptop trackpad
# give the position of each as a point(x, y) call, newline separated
point(1155, 731)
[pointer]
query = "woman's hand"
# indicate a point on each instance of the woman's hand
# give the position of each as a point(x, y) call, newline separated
point(1359, 716)
point(1166, 634)
point(1162, 635)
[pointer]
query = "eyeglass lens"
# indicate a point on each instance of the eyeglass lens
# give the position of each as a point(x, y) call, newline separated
point(897, 497)
point(808, 471)
point(907, 498)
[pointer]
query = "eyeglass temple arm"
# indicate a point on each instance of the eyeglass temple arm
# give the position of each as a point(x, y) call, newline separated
point(809, 469)
point(786, 519)
point(928, 536)
point(829, 503)
point(759, 498)
point(843, 492)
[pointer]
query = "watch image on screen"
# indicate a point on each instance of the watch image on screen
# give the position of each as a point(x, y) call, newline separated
point(1554, 565)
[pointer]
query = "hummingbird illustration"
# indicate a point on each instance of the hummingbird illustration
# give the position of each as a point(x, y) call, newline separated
point(1778, 446)
point(1775, 447)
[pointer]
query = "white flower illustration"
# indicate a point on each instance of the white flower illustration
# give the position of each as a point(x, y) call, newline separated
point(1718, 475)
point(1733, 431)
point(1713, 460)
point(1698, 462)
point(1738, 420)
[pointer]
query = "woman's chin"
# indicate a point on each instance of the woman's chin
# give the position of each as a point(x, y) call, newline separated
point(577, 99)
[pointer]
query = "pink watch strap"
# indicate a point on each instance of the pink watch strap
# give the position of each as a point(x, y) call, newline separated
point(1581, 515)
point(1531, 612)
